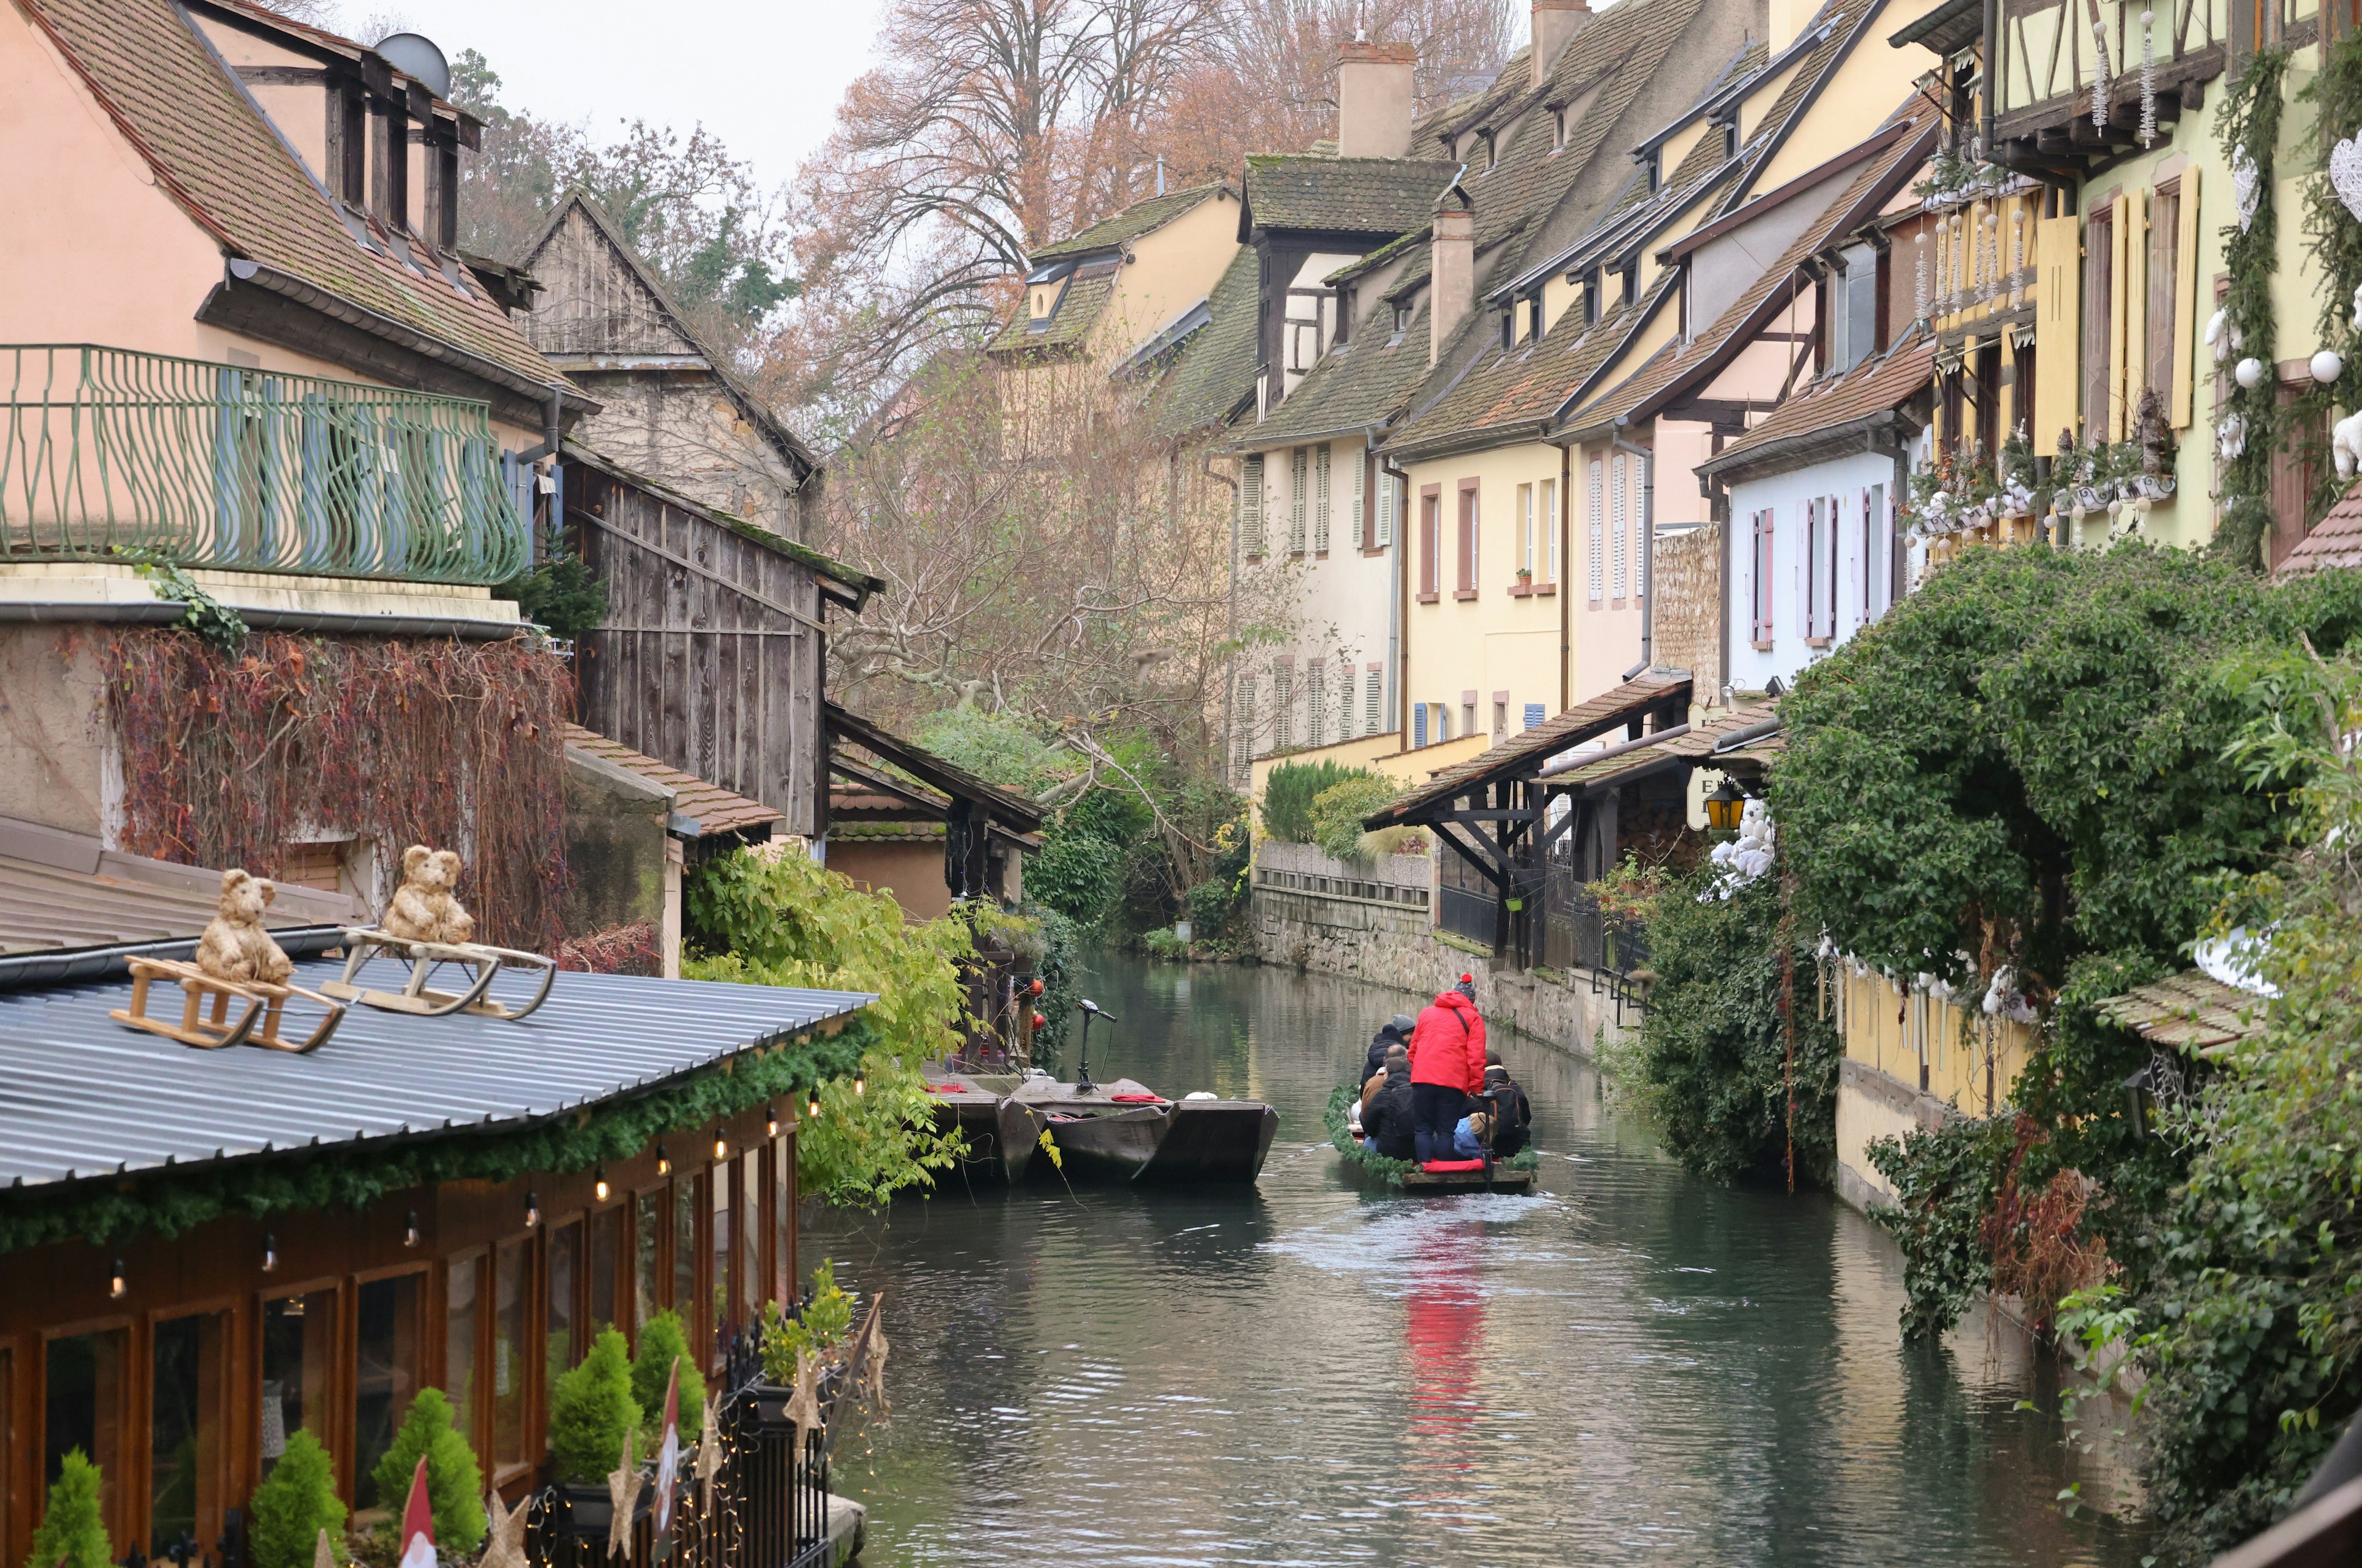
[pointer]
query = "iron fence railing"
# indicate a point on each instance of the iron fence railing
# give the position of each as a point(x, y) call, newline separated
point(109, 453)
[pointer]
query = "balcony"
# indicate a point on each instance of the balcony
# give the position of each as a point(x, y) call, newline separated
point(2055, 61)
point(107, 453)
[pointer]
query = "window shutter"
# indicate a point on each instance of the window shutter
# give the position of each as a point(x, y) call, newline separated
point(1419, 724)
point(2185, 303)
point(1616, 526)
point(2058, 291)
point(1246, 721)
point(1373, 703)
point(1361, 492)
point(1296, 477)
point(1385, 509)
point(1320, 503)
point(1550, 523)
point(1251, 509)
point(1595, 523)
point(1316, 701)
point(1533, 715)
point(1763, 577)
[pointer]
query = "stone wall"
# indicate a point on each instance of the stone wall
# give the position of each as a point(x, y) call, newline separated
point(1387, 942)
point(1689, 606)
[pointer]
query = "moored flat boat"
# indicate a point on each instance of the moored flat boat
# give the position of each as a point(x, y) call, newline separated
point(1115, 1132)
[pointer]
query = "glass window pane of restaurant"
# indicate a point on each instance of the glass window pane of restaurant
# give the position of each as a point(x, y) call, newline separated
point(565, 1270)
point(389, 1331)
point(722, 1317)
point(750, 1233)
point(299, 1344)
point(783, 1218)
point(461, 1292)
point(185, 1464)
point(647, 1259)
point(511, 1263)
point(86, 1406)
point(684, 1253)
point(606, 1244)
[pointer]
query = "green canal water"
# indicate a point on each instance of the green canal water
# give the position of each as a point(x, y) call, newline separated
point(1631, 1367)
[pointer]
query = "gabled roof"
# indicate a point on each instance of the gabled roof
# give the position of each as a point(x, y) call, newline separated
point(1831, 413)
point(1076, 311)
point(213, 153)
point(1692, 745)
point(1680, 367)
point(1366, 383)
point(1214, 376)
point(1340, 195)
point(2336, 541)
point(1524, 753)
point(754, 410)
point(1005, 806)
point(701, 810)
point(1142, 218)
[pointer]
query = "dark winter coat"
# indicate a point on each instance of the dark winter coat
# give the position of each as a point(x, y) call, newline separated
point(1512, 1112)
point(1386, 1116)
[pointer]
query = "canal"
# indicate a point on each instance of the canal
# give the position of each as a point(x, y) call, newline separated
point(1632, 1366)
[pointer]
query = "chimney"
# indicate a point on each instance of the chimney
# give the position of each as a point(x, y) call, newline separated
point(1555, 22)
point(1373, 99)
point(1451, 270)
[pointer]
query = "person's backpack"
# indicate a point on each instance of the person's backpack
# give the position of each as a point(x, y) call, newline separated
point(1503, 1102)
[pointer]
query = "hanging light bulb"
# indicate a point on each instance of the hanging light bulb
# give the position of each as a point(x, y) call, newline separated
point(664, 1160)
point(860, 1084)
point(410, 1229)
point(770, 1121)
point(270, 1253)
point(531, 1209)
point(813, 1107)
point(599, 1184)
point(115, 1286)
point(721, 1146)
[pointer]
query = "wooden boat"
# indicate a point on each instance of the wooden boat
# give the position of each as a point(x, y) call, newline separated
point(1516, 1173)
point(1002, 1134)
point(1116, 1132)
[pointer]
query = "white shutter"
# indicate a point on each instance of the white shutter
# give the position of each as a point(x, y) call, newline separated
point(1246, 724)
point(1251, 512)
point(1296, 484)
point(1361, 510)
point(1320, 503)
point(1316, 701)
point(1616, 576)
point(1385, 509)
point(1550, 523)
point(1373, 704)
point(1595, 522)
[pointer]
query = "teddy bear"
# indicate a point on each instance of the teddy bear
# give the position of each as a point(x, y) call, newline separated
point(423, 909)
point(234, 946)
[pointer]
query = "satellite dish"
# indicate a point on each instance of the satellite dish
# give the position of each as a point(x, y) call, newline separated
point(416, 56)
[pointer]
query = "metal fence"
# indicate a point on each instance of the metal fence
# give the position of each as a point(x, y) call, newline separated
point(1573, 932)
point(105, 453)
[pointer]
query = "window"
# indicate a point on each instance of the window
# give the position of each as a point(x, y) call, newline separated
point(1374, 700)
point(1386, 504)
point(1616, 553)
point(1630, 277)
point(1533, 715)
point(1549, 530)
point(1558, 129)
point(389, 1330)
point(1853, 308)
point(185, 1434)
point(1989, 431)
point(1596, 522)
point(2099, 266)
point(725, 1319)
point(1500, 715)
point(750, 1236)
point(512, 1277)
point(1298, 472)
point(1762, 579)
point(1591, 292)
point(87, 1405)
point(460, 1297)
point(1730, 139)
point(1320, 502)
point(1468, 713)
point(684, 1253)
point(2164, 243)
point(1656, 166)
point(1467, 541)
point(1821, 569)
point(1430, 543)
point(1442, 723)
point(1251, 504)
point(299, 1343)
point(1316, 700)
point(648, 1260)
point(563, 1264)
point(1526, 529)
point(1361, 505)
point(606, 1249)
point(1402, 319)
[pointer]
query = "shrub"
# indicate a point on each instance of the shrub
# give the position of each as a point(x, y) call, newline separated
point(826, 1321)
point(661, 1340)
point(1337, 811)
point(455, 1482)
point(296, 1502)
point(73, 1532)
point(1288, 793)
point(591, 1409)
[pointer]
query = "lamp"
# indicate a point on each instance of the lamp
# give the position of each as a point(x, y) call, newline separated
point(410, 1229)
point(599, 1184)
point(1726, 805)
point(721, 1146)
point(812, 1106)
point(270, 1253)
point(664, 1160)
point(860, 1085)
point(115, 1286)
point(770, 1121)
point(531, 1209)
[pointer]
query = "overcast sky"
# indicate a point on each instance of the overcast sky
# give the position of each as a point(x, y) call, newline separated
point(763, 74)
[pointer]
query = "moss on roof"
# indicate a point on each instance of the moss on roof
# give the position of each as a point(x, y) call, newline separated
point(1353, 195)
point(1368, 381)
point(1141, 217)
point(1215, 372)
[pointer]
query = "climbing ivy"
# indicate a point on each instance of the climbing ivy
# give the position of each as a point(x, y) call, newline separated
point(2251, 130)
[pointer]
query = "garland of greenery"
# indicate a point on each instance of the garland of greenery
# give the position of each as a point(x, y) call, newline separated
point(1341, 1133)
point(352, 1177)
point(2334, 239)
point(2251, 123)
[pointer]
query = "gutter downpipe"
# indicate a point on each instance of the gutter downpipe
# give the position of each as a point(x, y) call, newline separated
point(557, 475)
point(1647, 538)
point(1565, 590)
point(1398, 607)
point(1230, 629)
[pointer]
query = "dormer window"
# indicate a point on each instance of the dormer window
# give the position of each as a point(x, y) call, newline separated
point(1590, 297)
point(1730, 139)
point(1492, 151)
point(1656, 164)
point(1402, 319)
point(1533, 318)
point(1630, 275)
point(1509, 330)
point(1558, 130)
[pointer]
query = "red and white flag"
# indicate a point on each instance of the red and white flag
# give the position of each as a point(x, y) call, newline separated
point(667, 1455)
point(418, 1523)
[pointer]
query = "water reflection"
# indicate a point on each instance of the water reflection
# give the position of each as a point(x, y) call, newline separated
point(1629, 1366)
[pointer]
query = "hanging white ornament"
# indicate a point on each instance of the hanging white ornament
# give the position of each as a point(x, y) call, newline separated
point(2231, 437)
point(2345, 172)
point(2215, 323)
point(2245, 189)
point(2357, 307)
point(2148, 81)
point(2327, 366)
point(2099, 74)
point(2345, 445)
point(2249, 373)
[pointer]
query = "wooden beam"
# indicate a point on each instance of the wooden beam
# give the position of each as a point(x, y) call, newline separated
point(686, 565)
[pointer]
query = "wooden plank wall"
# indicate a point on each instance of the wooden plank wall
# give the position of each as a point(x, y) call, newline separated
point(697, 664)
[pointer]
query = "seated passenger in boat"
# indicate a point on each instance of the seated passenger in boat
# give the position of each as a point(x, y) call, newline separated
point(1386, 1125)
point(1393, 1056)
point(1468, 1138)
point(1504, 1100)
point(1395, 1033)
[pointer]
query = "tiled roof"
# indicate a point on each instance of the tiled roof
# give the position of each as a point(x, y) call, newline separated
point(1216, 370)
point(1354, 196)
point(2336, 541)
point(1141, 217)
point(1526, 751)
point(1663, 374)
point(1368, 381)
point(1517, 390)
point(1078, 307)
point(1694, 744)
point(2191, 1011)
point(214, 154)
point(713, 809)
point(1879, 383)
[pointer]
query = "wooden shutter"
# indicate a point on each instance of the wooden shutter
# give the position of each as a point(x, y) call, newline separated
point(1320, 502)
point(1361, 499)
point(1762, 576)
point(2185, 303)
point(1616, 573)
point(2133, 376)
point(1596, 526)
point(1296, 483)
point(1386, 504)
point(1251, 505)
point(2120, 290)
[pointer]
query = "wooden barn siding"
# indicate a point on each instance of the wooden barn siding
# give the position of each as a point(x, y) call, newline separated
point(593, 304)
point(711, 681)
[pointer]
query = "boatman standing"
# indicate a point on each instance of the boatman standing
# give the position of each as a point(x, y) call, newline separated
point(1447, 1066)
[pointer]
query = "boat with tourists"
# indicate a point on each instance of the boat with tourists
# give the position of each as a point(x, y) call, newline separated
point(1516, 1173)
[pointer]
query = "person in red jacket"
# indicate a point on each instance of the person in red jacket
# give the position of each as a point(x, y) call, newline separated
point(1447, 1066)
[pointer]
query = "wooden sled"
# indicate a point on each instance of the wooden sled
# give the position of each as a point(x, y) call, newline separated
point(212, 1027)
point(365, 944)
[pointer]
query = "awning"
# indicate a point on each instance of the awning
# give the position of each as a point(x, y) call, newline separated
point(1716, 741)
point(2190, 1011)
point(1523, 754)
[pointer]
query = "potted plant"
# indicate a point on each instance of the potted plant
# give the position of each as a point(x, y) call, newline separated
point(455, 1482)
point(591, 1410)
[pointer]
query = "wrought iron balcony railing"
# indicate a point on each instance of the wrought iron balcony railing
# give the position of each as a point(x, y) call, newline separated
point(106, 452)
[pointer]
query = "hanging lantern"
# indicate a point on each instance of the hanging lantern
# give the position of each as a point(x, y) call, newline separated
point(270, 1253)
point(1725, 806)
point(410, 1228)
point(721, 1146)
point(770, 1121)
point(811, 1107)
point(599, 1188)
point(664, 1160)
point(114, 1284)
point(531, 1209)
point(860, 1085)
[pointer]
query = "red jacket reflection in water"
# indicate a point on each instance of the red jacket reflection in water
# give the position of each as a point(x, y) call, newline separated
point(1448, 1045)
point(1445, 1327)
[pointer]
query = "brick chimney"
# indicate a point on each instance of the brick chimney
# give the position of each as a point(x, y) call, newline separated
point(1555, 22)
point(1451, 269)
point(1373, 99)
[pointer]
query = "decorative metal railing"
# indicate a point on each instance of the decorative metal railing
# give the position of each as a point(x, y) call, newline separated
point(108, 453)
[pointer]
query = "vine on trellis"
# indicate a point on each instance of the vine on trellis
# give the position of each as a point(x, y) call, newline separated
point(2250, 132)
point(2333, 239)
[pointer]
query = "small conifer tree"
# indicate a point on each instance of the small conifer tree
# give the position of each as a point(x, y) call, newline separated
point(455, 1482)
point(296, 1502)
point(73, 1531)
point(661, 1340)
point(590, 1408)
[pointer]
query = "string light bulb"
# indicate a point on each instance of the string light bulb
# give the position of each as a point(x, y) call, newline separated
point(664, 1160)
point(599, 1184)
point(771, 1121)
point(410, 1229)
point(721, 1146)
point(115, 1286)
point(813, 1107)
point(531, 1209)
point(860, 1085)
point(270, 1253)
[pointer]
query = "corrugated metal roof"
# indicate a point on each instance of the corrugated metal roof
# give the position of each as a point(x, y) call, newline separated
point(83, 1096)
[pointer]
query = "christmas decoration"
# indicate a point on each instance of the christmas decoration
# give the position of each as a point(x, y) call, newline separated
point(2327, 366)
point(2148, 80)
point(418, 1523)
point(2249, 373)
point(2099, 74)
point(505, 1542)
point(623, 1497)
point(2247, 188)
